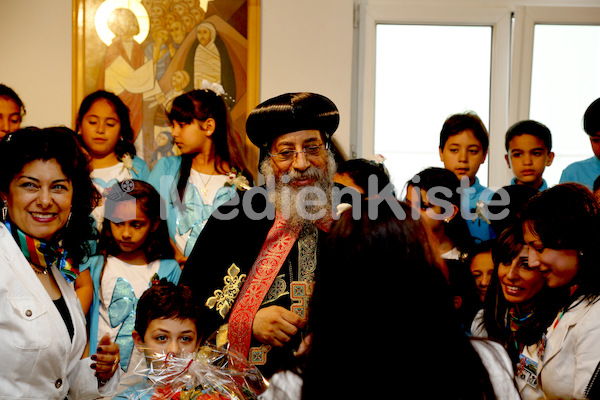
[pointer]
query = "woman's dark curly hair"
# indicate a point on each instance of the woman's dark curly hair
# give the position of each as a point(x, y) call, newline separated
point(125, 144)
point(56, 143)
point(546, 303)
point(393, 248)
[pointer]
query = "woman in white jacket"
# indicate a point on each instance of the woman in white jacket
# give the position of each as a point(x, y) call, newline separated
point(47, 199)
point(561, 226)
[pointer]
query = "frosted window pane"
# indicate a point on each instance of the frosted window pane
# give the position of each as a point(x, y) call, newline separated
point(425, 73)
point(564, 82)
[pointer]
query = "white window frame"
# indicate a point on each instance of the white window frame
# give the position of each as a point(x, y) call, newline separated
point(498, 18)
point(511, 68)
point(526, 17)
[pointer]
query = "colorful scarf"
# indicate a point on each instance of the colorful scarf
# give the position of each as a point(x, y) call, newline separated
point(43, 254)
point(514, 321)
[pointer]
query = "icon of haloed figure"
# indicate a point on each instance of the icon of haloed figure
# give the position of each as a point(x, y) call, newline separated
point(127, 71)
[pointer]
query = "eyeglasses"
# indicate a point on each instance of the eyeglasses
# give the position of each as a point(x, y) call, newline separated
point(309, 151)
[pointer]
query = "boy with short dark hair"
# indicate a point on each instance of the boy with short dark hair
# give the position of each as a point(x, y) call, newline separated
point(463, 147)
point(529, 151)
point(586, 171)
point(166, 322)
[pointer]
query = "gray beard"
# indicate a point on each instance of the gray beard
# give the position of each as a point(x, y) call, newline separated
point(305, 204)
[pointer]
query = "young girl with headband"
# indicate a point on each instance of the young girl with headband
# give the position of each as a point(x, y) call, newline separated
point(208, 171)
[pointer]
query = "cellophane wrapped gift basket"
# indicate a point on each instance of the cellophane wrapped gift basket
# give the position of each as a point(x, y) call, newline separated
point(211, 373)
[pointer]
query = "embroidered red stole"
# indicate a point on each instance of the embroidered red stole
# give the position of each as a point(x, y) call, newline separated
point(273, 253)
point(277, 246)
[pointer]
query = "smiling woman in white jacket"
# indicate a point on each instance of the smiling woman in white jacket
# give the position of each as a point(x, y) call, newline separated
point(47, 199)
point(561, 225)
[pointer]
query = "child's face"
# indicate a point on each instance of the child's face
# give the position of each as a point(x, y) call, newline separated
point(528, 156)
point(520, 282)
point(167, 335)
point(595, 142)
point(482, 267)
point(10, 116)
point(463, 155)
point(101, 128)
point(193, 137)
point(130, 234)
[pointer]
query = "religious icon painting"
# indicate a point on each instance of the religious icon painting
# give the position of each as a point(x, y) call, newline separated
point(150, 51)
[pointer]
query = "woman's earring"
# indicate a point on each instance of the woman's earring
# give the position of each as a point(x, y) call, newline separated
point(446, 220)
point(68, 219)
point(4, 211)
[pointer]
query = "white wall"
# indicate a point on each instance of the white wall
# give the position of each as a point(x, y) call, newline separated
point(35, 46)
point(306, 46)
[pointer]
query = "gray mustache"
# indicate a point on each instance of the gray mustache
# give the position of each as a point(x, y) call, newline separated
point(309, 173)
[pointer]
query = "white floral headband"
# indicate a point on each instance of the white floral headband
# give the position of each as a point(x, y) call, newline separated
point(215, 87)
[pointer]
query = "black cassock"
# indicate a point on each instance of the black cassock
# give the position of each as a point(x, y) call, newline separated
point(224, 254)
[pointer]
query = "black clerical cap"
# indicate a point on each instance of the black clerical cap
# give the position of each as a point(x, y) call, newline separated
point(291, 112)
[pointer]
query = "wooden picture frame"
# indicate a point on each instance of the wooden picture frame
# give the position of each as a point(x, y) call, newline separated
point(101, 60)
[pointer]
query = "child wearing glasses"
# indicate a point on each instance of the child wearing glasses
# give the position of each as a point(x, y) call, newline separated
point(208, 171)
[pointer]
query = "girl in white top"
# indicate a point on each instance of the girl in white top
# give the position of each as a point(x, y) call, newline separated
point(134, 250)
point(105, 131)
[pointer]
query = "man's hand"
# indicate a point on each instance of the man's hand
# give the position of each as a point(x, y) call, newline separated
point(276, 326)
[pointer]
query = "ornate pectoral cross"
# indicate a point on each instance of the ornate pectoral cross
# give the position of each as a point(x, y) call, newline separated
point(300, 293)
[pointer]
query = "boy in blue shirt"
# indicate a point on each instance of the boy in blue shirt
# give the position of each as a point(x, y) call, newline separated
point(166, 321)
point(529, 151)
point(586, 171)
point(463, 147)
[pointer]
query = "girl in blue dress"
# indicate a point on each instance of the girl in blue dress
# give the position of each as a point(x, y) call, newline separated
point(134, 251)
point(206, 174)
